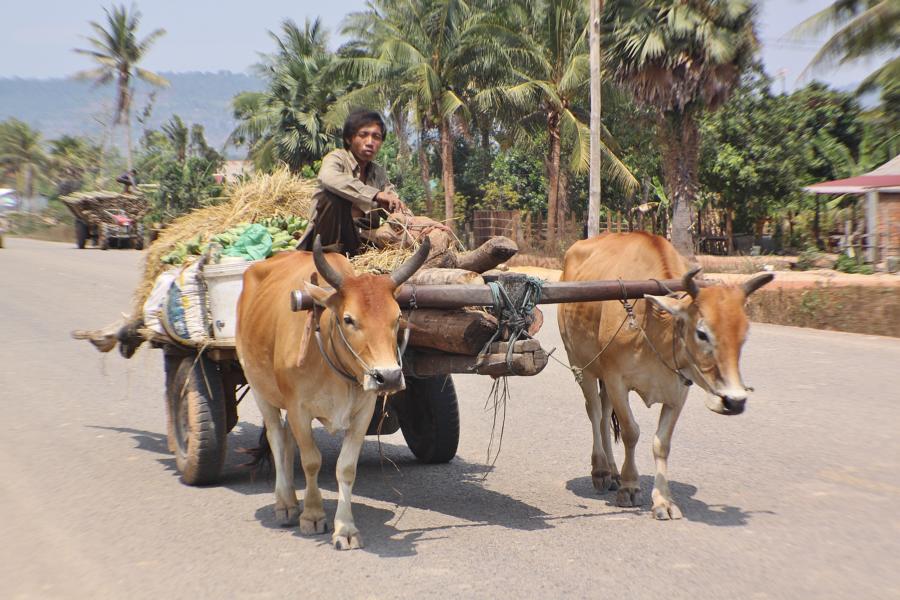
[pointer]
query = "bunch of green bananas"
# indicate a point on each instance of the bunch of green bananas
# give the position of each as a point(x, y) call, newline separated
point(285, 230)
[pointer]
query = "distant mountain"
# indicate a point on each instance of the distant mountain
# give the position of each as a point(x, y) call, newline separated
point(67, 106)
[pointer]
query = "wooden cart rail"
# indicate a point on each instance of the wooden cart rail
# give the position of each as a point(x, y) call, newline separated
point(458, 296)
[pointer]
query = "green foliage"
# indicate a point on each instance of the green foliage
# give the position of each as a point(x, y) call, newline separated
point(180, 167)
point(286, 123)
point(23, 161)
point(849, 264)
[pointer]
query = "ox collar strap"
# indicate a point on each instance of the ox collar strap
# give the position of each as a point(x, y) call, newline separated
point(317, 316)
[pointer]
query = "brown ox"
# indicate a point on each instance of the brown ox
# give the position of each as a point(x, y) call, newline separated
point(287, 370)
point(695, 338)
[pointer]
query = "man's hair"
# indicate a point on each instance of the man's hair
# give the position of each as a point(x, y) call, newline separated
point(357, 119)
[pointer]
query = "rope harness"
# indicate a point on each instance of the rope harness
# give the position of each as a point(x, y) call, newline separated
point(513, 319)
point(632, 321)
point(340, 368)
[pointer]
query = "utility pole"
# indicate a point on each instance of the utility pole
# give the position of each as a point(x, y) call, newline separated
point(596, 126)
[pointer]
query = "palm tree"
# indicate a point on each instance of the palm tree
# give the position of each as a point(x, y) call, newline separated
point(417, 49)
point(72, 159)
point(117, 51)
point(864, 28)
point(548, 88)
point(22, 155)
point(679, 58)
point(286, 122)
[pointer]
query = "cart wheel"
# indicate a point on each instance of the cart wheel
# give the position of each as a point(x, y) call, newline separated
point(197, 405)
point(81, 233)
point(139, 238)
point(429, 418)
point(103, 239)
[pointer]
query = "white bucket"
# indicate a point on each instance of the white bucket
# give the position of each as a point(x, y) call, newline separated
point(224, 283)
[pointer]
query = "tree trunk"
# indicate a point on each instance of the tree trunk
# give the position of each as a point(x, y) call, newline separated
point(126, 112)
point(456, 331)
point(552, 176)
point(28, 182)
point(680, 149)
point(594, 194)
point(729, 231)
point(398, 120)
point(447, 173)
point(426, 176)
point(562, 203)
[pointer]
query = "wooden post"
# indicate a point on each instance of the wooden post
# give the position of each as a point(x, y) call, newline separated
point(608, 221)
point(872, 226)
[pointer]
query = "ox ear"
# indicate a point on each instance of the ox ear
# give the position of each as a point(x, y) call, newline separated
point(673, 306)
point(321, 296)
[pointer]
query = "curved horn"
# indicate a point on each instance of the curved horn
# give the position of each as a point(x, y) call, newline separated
point(756, 282)
point(412, 264)
point(328, 272)
point(689, 284)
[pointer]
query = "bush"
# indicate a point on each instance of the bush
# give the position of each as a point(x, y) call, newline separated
point(810, 258)
point(849, 264)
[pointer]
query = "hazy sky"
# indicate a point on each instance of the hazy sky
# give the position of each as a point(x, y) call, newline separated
point(211, 35)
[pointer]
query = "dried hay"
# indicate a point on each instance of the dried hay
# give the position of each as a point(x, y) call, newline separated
point(258, 197)
point(381, 261)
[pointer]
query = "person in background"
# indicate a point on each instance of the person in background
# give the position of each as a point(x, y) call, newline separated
point(353, 189)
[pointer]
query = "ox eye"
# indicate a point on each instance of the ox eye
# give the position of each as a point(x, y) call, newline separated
point(348, 319)
point(701, 335)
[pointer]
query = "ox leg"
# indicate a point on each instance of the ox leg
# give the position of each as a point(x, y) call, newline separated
point(346, 535)
point(617, 396)
point(663, 506)
point(604, 475)
point(286, 505)
point(312, 519)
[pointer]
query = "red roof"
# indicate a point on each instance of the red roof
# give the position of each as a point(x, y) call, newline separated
point(885, 178)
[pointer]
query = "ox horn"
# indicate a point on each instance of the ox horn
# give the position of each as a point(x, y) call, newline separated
point(412, 264)
point(756, 282)
point(329, 273)
point(689, 284)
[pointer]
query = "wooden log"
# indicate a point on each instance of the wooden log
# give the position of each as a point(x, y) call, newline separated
point(525, 363)
point(454, 331)
point(456, 296)
point(496, 250)
point(444, 277)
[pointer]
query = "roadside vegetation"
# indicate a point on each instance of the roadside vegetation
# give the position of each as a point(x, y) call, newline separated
point(489, 109)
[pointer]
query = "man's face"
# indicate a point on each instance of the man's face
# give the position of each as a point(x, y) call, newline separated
point(366, 142)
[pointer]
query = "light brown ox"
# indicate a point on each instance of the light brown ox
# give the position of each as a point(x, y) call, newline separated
point(359, 327)
point(700, 336)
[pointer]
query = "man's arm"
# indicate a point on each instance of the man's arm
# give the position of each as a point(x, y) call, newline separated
point(334, 177)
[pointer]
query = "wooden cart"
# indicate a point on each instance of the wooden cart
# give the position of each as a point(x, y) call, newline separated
point(205, 383)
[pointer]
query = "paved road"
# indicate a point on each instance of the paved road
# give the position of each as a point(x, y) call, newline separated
point(797, 498)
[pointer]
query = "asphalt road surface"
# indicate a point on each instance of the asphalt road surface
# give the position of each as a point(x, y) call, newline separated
point(799, 497)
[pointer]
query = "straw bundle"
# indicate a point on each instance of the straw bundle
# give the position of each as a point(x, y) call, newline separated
point(380, 261)
point(260, 196)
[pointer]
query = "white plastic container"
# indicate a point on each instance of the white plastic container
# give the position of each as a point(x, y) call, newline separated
point(224, 283)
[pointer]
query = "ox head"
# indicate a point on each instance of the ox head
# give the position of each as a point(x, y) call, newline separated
point(710, 330)
point(365, 319)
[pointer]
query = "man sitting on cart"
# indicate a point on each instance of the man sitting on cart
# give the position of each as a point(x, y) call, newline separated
point(354, 191)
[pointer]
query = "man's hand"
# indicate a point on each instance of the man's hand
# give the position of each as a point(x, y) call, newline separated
point(390, 202)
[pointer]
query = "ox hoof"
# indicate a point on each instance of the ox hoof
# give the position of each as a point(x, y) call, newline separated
point(347, 542)
point(665, 512)
point(605, 482)
point(287, 515)
point(313, 526)
point(628, 497)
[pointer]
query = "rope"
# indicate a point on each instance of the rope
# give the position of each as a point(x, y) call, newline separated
point(512, 320)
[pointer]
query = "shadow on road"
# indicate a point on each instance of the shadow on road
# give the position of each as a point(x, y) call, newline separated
point(693, 509)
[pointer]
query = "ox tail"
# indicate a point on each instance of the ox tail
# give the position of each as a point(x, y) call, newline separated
point(617, 431)
point(261, 460)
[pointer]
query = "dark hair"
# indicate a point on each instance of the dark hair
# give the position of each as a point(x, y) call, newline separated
point(359, 118)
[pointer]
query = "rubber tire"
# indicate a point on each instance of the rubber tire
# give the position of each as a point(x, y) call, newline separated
point(81, 233)
point(429, 418)
point(198, 410)
point(103, 238)
point(138, 243)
